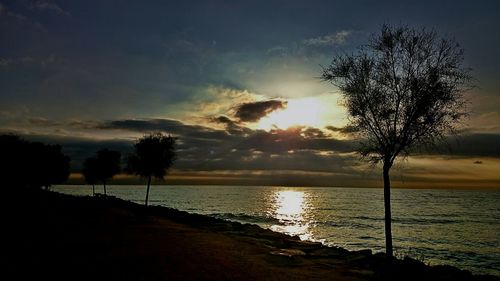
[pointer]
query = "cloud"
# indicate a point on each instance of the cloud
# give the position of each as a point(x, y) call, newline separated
point(309, 49)
point(475, 144)
point(4, 10)
point(50, 6)
point(40, 121)
point(254, 111)
point(327, 40)
point(343, 130)
point(236, 147)
point(170, 126)
point(310, 132)
point(280, 141)
point(486, 122)
point(230, 125)
point(214, 100)
point(297, 155)
point(223, 119)
point(439, 171)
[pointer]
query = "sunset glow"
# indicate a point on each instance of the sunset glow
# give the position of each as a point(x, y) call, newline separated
point(304, 111)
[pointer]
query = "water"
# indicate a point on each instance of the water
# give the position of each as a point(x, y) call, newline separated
point(460, 228)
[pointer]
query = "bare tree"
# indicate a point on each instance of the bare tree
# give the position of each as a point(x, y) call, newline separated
point(404, 89)
point(152, 157)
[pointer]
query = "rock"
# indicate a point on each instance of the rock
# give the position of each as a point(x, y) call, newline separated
point(366, 252)
point(287, 252)
point(328, 252)
point(358, 255)
point(304, 245)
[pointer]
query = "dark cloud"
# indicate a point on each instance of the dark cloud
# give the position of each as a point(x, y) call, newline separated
point(169, 126)
point(206, 148)
point(280, 141)
point(231, 126)
point(471, 145)
point(343, 130)
point(254, 111)
point(310, 132)
point(299, 147)
point(292, 156)
point(196, 144)
point(303, 161)
point(223, 119)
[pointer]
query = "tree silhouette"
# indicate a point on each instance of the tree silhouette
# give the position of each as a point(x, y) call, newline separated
point(153, 155)
point(13, 156)
point(404, 89)
point(108, 165)
point(51, 165)
point(90, 172)
point(31, 164)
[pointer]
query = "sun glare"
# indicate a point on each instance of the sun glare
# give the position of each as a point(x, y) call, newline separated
point(292, 209)
point(304, 111)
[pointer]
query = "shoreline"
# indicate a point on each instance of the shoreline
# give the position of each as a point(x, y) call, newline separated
point(223, 249)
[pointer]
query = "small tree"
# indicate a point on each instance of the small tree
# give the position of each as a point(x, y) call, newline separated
point(90, 172)
point(402, 90)
point(108, 165)
point(152, 157)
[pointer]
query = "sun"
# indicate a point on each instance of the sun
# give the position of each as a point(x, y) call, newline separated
point(309, 111)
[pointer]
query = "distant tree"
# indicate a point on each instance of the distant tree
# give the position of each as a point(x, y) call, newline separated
point(153, 155)
point(108, 165)
point(28, 164)
point(404, 89)
point(90, 172)
point(53, 165)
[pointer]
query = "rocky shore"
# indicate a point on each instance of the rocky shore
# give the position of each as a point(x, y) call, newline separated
point(55, 236)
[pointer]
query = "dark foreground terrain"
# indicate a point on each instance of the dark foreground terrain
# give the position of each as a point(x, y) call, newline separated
point(50, 236)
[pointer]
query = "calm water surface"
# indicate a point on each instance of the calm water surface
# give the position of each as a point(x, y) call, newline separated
point(460, 228)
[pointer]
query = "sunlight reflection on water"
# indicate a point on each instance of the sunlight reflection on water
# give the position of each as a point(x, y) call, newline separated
point(292, 209)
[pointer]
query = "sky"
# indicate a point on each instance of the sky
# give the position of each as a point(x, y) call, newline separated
point(237, 82)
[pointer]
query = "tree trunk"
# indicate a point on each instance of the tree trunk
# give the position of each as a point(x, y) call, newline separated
point(147, 191)
point(93, 190)
point(104, 182)
point(387, 207)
